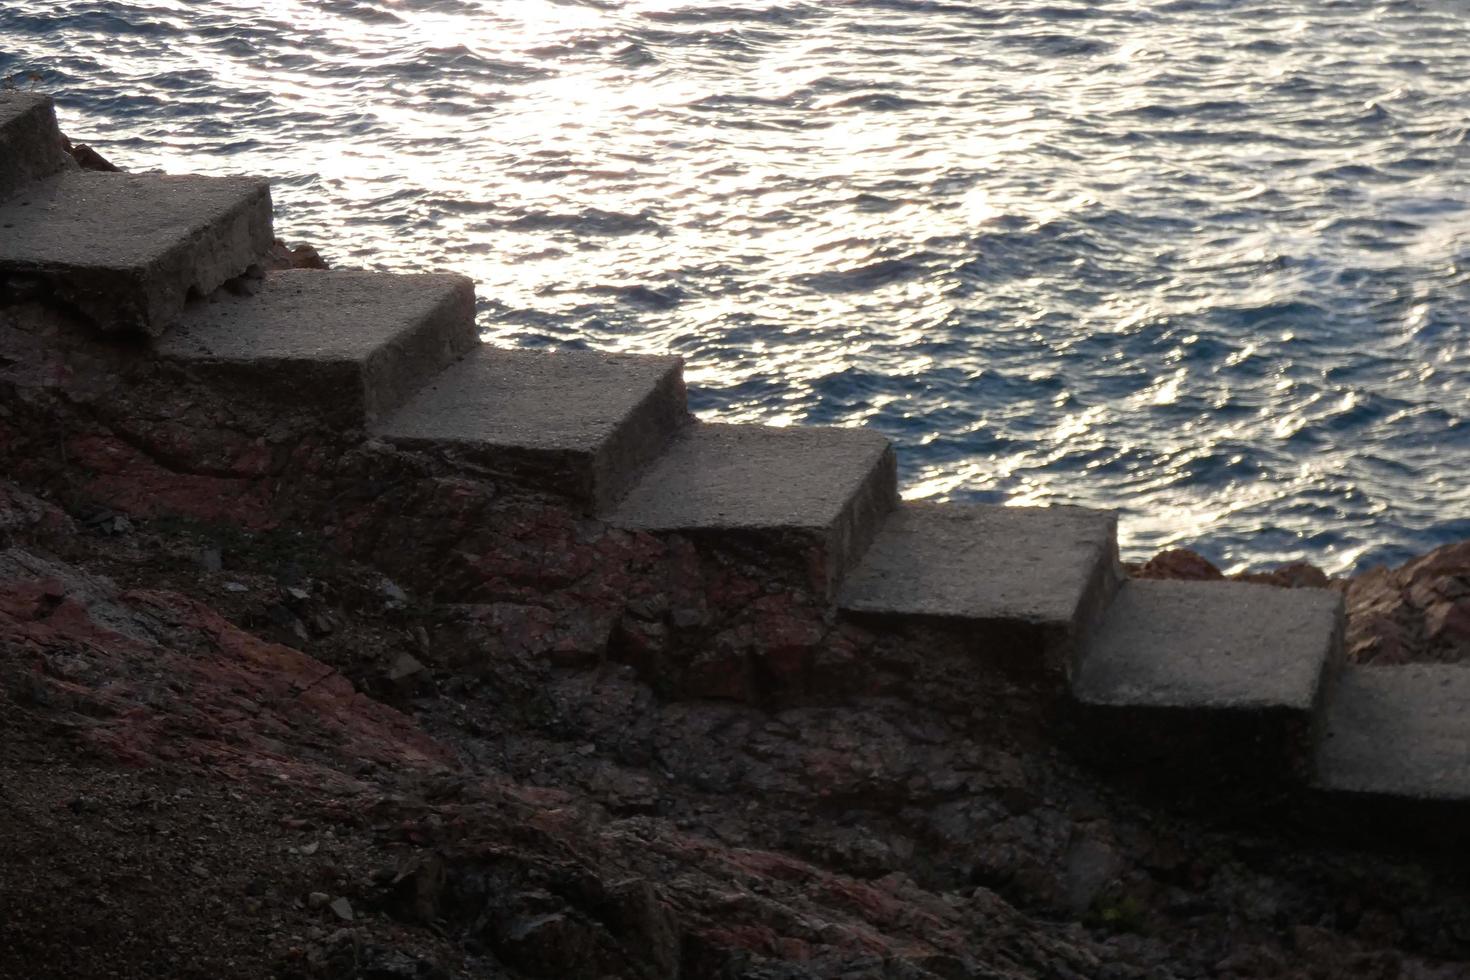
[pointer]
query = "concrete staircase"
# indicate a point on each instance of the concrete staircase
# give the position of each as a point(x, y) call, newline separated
point(1038, 588)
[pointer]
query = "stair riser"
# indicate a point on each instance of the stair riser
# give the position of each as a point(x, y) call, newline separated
point(1376, 822)
point(638, 441)
point(858, 524)
point(1234, 763)
point(1327, 689)
point(1063, 656)
point(31, 147)
point(398, 369)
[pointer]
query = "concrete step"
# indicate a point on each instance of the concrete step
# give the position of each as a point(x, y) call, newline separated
point(1024, 581)
point(801, 486)
point(356, 343)
point(1181, 668)
point(127, 250)
point(1398, 733)
point(31, 147)
point(577, 423)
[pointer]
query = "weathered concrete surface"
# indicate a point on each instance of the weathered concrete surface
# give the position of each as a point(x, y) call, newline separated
point(1193, 680)
point(1212, 645)
point(1399, 732)
point(1032, 576)
point(831, 483)
point(31, 146)
point(580, 423)
point(360, 342)
point(127, 250)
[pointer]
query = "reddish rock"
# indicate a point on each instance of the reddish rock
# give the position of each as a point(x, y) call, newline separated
point(283, 256)
point(720, 672)
point(126, 479)
point(1179, 563)
point(1297, 575)
point(168, 681)
point(1419, 611)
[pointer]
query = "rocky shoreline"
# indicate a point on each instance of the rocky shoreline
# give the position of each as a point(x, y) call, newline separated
point(282, 700)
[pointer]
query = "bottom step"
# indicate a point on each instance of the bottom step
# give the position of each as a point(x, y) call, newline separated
point(1399, 732)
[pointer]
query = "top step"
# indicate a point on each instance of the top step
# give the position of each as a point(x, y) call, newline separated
point(127, 250)
point(31, 147)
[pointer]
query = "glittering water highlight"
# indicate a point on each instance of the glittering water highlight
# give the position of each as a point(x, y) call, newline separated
point(1203, 261)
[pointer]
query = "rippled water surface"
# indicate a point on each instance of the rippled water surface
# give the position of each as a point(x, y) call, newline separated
point(1204, 261)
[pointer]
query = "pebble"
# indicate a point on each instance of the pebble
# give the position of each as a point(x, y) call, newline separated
point(342, 909)
point(405, 667)
point(236, 587)
point(317, 900)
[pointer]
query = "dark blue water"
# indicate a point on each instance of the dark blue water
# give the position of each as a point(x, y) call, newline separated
point(1204, 261)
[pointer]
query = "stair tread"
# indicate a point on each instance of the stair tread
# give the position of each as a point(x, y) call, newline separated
point(128, 249)
point(1026, 564)
point(1400, 731)
point(388, 332)
point(565, 401)
point(88, 219)
point(751, 477)
point(1212, 645)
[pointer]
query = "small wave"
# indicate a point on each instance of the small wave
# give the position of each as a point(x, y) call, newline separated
point(1059, 45)
point(591, 221)
point(874, 275)
point(644, 297)
point(776, 14)
point(879, 102)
